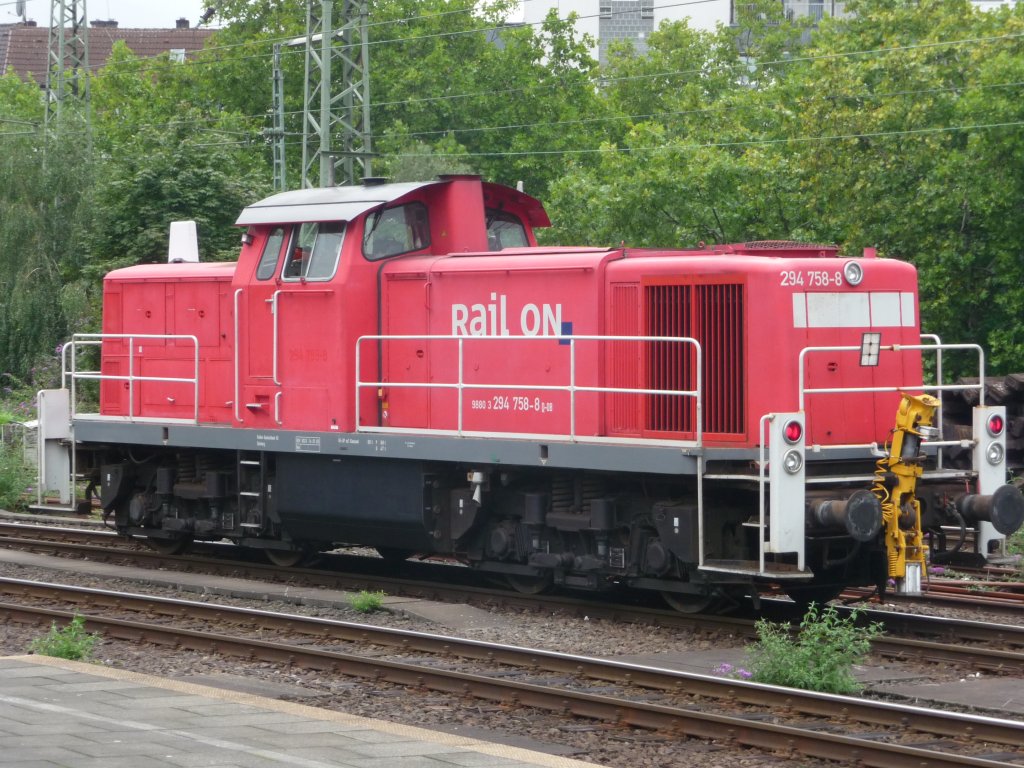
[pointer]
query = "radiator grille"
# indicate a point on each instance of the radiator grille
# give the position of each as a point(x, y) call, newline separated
point(712, 314)
point(625, 371)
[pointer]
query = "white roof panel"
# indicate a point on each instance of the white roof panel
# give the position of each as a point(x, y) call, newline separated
point(325, 204)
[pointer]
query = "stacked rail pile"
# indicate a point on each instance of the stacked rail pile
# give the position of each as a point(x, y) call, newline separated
point(956, 418)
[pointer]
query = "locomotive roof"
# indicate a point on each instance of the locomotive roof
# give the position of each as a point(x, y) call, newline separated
point(324, 204)
point(349, 202)
point(205, 270)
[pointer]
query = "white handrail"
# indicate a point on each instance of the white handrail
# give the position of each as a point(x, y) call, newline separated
point(762, 466)
point(980, 386)
point(96, 339)
point(236, 357)
point(571, 387)
point(935, 346)
point(274, 376)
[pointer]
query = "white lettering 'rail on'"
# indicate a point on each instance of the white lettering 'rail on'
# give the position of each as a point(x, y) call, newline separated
point(492, 319)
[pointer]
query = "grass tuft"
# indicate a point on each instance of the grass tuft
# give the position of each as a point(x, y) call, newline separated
point(367, 602)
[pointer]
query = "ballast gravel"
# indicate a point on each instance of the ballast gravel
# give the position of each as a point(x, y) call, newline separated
point(588, 741)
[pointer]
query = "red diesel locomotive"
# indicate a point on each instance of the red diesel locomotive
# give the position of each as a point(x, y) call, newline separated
point(401, 366)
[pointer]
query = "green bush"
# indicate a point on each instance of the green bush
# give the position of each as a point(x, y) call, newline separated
point(70, 642)
point(367, 602)
point(818, 657)
point(16, 477)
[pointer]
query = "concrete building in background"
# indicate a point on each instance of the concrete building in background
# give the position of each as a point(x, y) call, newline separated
point(608, 21)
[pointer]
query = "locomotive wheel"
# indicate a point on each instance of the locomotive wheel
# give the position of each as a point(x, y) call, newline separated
point(286, 558)
point(686, 602)
point(393, 554)
point(529, 585)
point(169, 546)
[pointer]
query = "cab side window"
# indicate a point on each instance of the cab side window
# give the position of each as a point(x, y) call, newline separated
point(504, 230)
point(397, 230)
point(315, 249)
point(326, 249)
point(271, 254)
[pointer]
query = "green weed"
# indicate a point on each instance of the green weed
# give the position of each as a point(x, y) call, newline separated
point(818, 657)
point(70, 642)
point(1015, 543)
point(367, 602)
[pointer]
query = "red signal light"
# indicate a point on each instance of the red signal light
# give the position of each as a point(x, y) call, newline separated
point(793, 431)
point(996, 425)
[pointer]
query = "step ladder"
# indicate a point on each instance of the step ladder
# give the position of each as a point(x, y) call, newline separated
point(252, 491)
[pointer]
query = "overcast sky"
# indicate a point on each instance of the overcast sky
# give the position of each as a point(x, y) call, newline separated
point(128, 13)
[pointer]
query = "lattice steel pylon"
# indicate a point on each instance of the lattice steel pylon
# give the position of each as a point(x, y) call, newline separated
point(68, 60)
point(336, 139)
point(276, 134)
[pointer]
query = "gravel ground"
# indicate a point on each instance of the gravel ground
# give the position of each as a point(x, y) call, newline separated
point(593, 742)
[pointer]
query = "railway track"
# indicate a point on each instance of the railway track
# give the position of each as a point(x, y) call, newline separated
point(1002, 597)
point(972, 645)
point(782, 721)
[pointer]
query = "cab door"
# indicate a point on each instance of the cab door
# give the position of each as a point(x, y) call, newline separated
point(306, 362)
point(290, 335)
point(259, 390)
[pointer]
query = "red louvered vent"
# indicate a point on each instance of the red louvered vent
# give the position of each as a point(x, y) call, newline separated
point(670, 365)
point(713, 315)
point(624, 372)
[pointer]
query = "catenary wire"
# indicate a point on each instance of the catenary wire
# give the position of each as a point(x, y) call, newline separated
point(690, 147)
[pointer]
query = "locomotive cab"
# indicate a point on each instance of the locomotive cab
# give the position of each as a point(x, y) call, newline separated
point(306, 283)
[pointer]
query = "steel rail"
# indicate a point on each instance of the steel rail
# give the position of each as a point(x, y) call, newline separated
point(978, 599)
point(990, 659)
point(991, 654)
point(644, 676)
point(989, 590)
point(738, 730)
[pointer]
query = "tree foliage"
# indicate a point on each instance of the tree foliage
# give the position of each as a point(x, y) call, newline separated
point(913, 127)
point(43, 204)
point(898, 126)
point(694, 154)
point(170, 151)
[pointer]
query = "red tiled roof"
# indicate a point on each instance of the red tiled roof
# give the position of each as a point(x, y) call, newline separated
point(24, 49)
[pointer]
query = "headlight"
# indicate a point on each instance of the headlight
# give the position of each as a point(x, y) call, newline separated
point(793, 461)
point(994, 453)
point(995, 425)
point(792, 432)
point(853, 272)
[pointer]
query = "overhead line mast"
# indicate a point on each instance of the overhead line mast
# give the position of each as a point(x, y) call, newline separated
point(345, 115)
point(277, 135)
point(68, 60)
